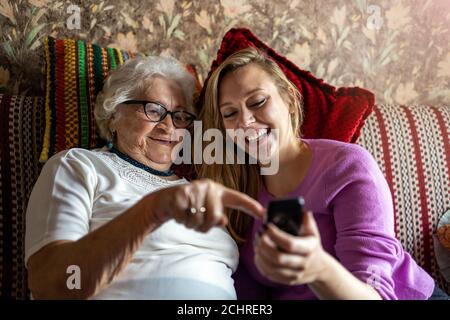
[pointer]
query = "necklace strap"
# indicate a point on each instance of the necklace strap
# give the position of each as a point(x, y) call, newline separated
point(140, 165)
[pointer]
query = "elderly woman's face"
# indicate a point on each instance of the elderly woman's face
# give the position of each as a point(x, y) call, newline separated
point(150, 142)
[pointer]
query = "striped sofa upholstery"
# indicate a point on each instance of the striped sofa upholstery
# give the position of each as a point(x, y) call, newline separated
point(410, 144)
point(75, 71)
point(21, 132)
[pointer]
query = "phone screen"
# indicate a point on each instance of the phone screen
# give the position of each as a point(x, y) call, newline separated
point(286, 214)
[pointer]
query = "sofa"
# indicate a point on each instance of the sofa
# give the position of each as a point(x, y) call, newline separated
point(410, 144)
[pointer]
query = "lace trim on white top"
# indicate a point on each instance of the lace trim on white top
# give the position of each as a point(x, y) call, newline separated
point(136, 175)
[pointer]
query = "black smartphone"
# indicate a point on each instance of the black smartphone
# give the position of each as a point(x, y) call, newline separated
point(286, 214)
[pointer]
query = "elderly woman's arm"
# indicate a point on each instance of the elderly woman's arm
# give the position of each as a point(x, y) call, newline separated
point(103, 253)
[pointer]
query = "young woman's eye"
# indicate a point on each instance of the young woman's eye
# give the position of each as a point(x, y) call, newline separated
point(259, 103)
point(228, 114)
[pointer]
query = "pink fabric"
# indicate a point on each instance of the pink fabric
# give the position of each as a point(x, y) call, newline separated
point(352, 205)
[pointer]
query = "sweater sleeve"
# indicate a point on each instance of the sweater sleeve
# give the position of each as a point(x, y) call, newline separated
point(361, 202)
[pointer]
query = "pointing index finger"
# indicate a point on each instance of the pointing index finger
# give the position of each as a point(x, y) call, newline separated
point(240, 201)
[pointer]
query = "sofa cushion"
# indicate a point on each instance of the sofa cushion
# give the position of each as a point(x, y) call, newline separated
point(74, 75)
point(441, 242)
point(329, 113)
point(21, 132)
point(75, 71)
point(443, 232)
point(411, 145)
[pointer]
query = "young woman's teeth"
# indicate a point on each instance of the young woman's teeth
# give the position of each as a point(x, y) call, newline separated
point(257, 135)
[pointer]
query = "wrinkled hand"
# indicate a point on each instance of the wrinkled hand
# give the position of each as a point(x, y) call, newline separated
point(202, 195)
point(291, 260)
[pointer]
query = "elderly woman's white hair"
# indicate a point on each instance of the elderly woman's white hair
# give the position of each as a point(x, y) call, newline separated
point(130, 79)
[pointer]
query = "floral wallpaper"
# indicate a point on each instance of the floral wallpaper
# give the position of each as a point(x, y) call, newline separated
point(398, 49)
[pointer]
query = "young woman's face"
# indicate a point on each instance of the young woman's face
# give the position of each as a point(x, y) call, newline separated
point(249, 100)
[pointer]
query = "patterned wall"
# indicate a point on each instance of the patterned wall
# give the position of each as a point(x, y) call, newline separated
point(398, 49)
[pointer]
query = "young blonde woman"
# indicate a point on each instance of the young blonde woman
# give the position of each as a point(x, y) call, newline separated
point(346, 248)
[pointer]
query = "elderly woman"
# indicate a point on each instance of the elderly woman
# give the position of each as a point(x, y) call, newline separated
point(118, 218)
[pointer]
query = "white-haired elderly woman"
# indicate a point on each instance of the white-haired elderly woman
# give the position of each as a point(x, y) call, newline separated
point(116, 223)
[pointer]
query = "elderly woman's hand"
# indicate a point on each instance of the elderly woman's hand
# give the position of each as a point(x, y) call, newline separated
point(200, 205)
point(291, 260)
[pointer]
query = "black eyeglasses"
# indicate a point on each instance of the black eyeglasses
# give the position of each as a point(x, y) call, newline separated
point(156, 112)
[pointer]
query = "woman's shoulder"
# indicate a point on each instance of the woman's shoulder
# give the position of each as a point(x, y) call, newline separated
point(343, 164)
point(78, 157)
point(75, 153)
point(338, 159)
point(102, 162)
point(338, 151)
point(335, 146)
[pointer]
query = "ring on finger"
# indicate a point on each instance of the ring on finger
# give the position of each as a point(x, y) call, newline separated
point(192, 210)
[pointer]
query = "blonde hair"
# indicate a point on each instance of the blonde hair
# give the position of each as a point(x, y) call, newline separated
point(243, 177)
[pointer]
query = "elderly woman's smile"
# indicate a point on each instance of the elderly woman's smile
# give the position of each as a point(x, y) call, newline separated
point(165, 142)
point(137, 131)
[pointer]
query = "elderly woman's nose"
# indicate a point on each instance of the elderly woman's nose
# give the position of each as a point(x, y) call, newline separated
point(167, 122)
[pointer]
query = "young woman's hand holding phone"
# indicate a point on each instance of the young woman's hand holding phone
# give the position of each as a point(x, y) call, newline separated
point(289, 250)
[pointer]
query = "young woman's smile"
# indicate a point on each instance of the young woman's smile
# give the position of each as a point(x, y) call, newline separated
point(250, 103)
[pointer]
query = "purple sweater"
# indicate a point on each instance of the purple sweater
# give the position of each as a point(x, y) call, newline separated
point(352, 206)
